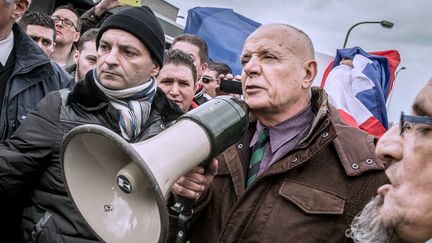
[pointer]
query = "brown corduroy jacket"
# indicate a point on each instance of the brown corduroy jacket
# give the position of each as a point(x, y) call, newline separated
point(310, 195)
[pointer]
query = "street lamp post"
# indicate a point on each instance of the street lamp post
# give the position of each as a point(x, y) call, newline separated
point(384, 23)
point(400, 69)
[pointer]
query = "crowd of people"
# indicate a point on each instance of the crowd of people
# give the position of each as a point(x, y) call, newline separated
point(299, 173)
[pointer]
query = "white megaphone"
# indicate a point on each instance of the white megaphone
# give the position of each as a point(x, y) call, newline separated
point(119, 187)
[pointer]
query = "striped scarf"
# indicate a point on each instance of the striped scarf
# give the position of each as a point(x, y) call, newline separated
point(133, 106)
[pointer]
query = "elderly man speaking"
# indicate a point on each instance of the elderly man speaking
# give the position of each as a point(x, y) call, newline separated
point(300, 174)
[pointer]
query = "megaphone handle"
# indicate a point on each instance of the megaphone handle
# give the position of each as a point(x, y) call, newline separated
point(182, 204)
point(183, 220)
point(183, 207)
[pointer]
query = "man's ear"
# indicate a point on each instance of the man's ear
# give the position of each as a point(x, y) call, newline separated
point(20, 8)
point(311, 70)
point(76, 36)
point(53, 48)
point(76, 56)
point(155, 69)
point(201, 70)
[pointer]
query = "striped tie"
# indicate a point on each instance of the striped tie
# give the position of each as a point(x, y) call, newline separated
point(257, 155)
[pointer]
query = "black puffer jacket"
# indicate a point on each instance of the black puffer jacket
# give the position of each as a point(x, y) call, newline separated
point(29, 160)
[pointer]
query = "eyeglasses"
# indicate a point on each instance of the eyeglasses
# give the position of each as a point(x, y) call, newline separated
point(406, 120)
point(206, 79)
point(65, 22)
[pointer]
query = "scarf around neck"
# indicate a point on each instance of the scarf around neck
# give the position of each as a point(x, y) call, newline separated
point(133, 106)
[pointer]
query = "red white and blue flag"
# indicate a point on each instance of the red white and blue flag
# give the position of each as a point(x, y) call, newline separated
point(359, 91)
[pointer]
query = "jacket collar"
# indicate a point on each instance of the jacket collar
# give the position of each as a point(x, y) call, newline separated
point(327, 128)
point(28, 53)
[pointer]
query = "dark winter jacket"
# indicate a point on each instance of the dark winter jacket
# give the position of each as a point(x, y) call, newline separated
point(33, 77)
point(29, 160)
point(310, 195)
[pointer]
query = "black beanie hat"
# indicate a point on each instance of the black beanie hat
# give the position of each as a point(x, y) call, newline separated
point(142, 23)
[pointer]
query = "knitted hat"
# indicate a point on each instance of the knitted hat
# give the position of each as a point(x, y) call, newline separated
point(142, 23)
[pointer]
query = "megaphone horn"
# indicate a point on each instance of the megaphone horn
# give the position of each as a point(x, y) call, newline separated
point(119, 188)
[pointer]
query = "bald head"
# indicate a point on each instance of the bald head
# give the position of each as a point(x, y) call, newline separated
point(300, 43)
point(278, 71)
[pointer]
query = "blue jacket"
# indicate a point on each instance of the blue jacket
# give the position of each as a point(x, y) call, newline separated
point(33, 77)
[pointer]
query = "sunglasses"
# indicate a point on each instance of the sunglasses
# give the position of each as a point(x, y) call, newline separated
point(65, 22)
point(406, 120)
point(206, 79)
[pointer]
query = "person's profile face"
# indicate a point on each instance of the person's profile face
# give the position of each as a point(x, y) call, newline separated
point(406, 206)
point(10, 12)
point(86, 59)
point(123, 60)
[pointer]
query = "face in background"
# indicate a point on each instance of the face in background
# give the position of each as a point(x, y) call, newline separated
point(85, 60)
point(43, 36)
point(193, 52)
point(9, 13)
point(404, 207)
point(277, 72)
point(209, 80)
point(123, 60)
point(66, 35)
point(177, 82)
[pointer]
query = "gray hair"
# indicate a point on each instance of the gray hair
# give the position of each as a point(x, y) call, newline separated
point(368, 227)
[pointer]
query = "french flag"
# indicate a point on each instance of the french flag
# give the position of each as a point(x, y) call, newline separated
point(359, 88)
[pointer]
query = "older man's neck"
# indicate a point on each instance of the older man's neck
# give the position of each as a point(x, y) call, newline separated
point(273, 118)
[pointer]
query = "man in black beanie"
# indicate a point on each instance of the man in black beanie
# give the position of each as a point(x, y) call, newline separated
point(120, 94)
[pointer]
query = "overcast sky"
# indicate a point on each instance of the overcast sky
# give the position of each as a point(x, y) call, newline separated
point(327, 22)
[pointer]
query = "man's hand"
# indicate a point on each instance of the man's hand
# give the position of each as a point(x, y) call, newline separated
point(196, 182)
point(106, 5)
point(229, 76)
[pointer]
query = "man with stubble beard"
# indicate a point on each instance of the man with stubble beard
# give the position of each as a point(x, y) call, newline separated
point(402, 211)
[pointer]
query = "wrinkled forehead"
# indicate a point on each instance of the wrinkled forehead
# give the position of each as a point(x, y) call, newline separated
point(423, 102)
point(38, 30)
point(66, 14)
point(273, 37)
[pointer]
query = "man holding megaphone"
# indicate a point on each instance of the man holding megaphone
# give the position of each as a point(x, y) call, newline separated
point(120, 94)
point(300, 173)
